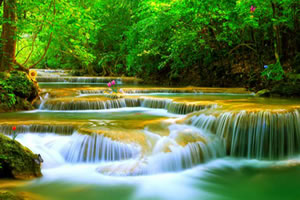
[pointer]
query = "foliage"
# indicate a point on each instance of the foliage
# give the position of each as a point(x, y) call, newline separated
point(7, 96)
point(213, 41)
point(273, 72)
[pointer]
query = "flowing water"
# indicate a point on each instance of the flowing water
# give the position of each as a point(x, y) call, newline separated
point(157, 143)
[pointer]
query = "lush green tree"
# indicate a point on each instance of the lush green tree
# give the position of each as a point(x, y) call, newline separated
point(216, 42)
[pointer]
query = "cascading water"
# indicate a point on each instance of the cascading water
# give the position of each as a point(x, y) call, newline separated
point(38, 128)
point(184, 108)
point(76, 79)
point(180, 158)
point(138, 139)
point(155, 103)
point(96, 148)
point(43, 100)
point(90, 104)
point(260, 135)
point(168, 154)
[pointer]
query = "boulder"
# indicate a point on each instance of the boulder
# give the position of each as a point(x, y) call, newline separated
point(17, 161)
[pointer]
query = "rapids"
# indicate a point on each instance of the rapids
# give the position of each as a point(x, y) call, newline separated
point(156, 142)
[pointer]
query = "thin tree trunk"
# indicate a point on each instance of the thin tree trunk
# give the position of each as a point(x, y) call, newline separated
point(276, 35)
point(8, 36)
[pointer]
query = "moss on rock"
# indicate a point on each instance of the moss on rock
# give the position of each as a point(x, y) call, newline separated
point(17, 161)
point(263, 93)
point(18, 91)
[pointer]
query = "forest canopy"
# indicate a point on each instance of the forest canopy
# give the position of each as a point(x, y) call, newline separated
point(207, 42)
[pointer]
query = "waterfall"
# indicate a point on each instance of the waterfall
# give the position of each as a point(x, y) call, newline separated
point(90, 104)
point(185, 108)
point(173, 107)
point(77, 79)
point(97, 148)
point(260, 135)
point(61, 129)
point(101, 91)
point(155, 103)
point(43, 100)
point(95, 104)
point(161, 90)
point(178, 159)
point(185, 147)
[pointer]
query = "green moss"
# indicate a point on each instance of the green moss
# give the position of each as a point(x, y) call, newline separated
point(5, 195)
point(263, 93)
point(17, 161)
point(17, 91)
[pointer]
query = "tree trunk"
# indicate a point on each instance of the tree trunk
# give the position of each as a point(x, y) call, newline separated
point(276, 32)
point(8, 36)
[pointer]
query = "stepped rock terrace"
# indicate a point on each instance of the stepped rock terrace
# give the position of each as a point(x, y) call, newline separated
point(78, 129)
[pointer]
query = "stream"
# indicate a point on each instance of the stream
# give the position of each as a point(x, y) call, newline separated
point(158, 143)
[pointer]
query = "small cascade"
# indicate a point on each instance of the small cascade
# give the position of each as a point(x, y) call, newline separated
point(161, 90)
point(43, 100)
point(98, 104)
point(185, 147)
point(97, 148)
point(173, 107)
point(184, 108)
point(155, 103)
point(37, 128)
point(101, 91)
point(260, 135)
point(90, 104)
point(77, 79)
point(180, 158)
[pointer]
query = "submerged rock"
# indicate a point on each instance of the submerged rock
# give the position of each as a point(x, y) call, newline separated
point(6, 195)
point(17, 161)
point(263, 93)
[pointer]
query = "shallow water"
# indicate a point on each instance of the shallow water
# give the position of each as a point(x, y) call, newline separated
point(157, 150)
point(219, 179)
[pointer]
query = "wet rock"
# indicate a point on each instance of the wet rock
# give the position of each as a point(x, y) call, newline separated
point(287, 89)
point(17, 161)
point(263, 93)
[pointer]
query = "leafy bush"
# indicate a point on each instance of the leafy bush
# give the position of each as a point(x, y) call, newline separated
point(273, 72)
point(7, 96)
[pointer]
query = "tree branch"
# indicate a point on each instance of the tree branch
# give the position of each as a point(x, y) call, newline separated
point(238, 46)
point(21, 67)
point(49, 42)
point(32, 46)
point(45, 52)
point(22, 49)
